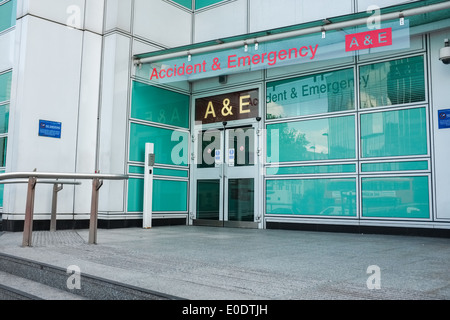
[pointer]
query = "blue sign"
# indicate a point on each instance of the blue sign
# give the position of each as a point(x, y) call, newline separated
point(444, 118)
point(50, 129)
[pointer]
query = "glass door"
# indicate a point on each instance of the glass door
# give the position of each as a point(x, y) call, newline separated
point(224, 177)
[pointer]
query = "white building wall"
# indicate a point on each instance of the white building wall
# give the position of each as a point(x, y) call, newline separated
point(56, 76)
point(440, 83)
point(7, 51)
point(46, 85)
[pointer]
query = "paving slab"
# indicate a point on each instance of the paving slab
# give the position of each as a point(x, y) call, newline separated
point(207, 263)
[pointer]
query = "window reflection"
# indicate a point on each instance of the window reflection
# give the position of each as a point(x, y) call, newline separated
point(315, 94)
point(328, 197)
point(394, 133)
point(405, 197)
point(393, 82)
point(321, 139)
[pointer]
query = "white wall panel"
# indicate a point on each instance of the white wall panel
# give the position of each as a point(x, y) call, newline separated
point(114, 118)
point(7, 50)
point(87, 120)
point(440, 82)
point(269, 14)
point(221, 21)
point(45, 86)
point(68, 12)
point(364, 4)
point(162, 23)
point(94, 15)
point(118, 15)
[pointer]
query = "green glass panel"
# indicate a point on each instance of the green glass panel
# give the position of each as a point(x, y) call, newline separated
point(159, 105)
point(136, 169)
point(2, 187)
point(394, 166)
point(319, 139)
point(337, 168)
point(393, 82)
point(184, 3)
point(167, 195)
point(170, 172)
point(208, 199)
point(321, 197)
point(1, 192)
point(394, 133)
point(210, 141)
point(313, 94)
point(4, 118)
point(395, 197)
point(204, 3)
point(5, 86)
point(171, 146)
point(242, 141)
point(241, 199)
point(3, 144)
point(135, 195)
point(8, 15)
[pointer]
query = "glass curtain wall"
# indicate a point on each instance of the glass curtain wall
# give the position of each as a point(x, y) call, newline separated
point(354, 133)
point(159, 116)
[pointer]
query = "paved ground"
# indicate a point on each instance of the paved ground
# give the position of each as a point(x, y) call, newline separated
point(205, 263)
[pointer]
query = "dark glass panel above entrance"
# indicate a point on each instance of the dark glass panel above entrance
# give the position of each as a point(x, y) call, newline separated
point(227, 107)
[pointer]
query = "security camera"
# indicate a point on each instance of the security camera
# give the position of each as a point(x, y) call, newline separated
point(444, 54)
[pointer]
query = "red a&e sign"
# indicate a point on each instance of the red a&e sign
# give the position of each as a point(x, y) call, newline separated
point(368, 39)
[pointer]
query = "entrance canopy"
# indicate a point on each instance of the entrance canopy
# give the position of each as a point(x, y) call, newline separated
point(374, 31)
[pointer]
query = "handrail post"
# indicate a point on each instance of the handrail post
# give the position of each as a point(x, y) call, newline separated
point(29, 209)
point(56, 189)
point(96, 185)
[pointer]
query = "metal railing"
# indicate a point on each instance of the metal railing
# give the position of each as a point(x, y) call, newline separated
point(32, 180)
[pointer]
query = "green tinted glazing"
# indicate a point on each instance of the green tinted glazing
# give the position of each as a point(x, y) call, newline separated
point(395, 197)
point(171, 146)
point(170, 172)
point(167, 195)
point(135, 195)
point(241, 199)
point(1, 191)
point(208, 199)
point(5, 86)
point(136, 169)
point(314, 94)
point(394, 133)
point(321, 139)
point(394, 166)
point(321, 197)
point(204, 3)
point(184, 3)
point(4, 118)
point(154, 104)
point(3, 144)
point(8, 15)
point(336, 168)
point(393, 82)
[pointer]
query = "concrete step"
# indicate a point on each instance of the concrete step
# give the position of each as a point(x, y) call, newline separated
point(17, 288)
point(26, 279)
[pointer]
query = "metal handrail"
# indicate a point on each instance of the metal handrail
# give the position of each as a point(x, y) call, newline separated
point(53, 175)
point(97, 182)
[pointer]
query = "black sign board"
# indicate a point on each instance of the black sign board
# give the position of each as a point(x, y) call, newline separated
point(227, 107)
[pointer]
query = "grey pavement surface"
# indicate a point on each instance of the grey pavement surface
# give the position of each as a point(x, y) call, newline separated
point(206, 263)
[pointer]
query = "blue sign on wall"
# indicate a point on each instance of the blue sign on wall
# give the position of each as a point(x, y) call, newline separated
point(444, 118)
point(50, 129)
